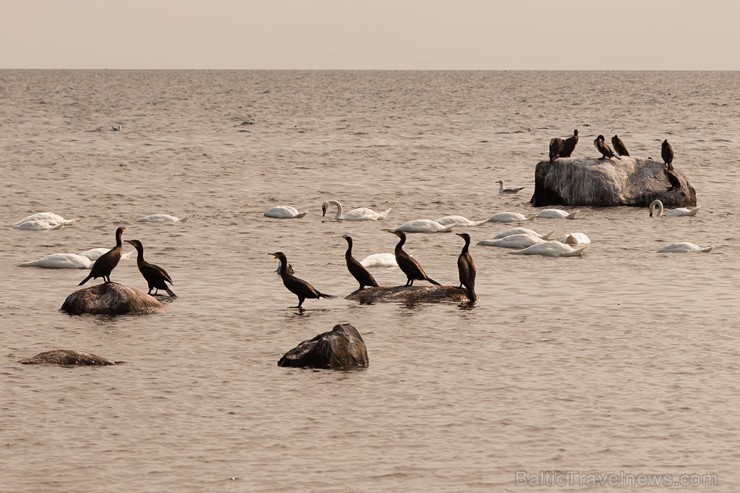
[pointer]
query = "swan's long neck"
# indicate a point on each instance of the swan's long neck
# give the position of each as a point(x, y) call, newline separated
point(340, 211)
point(657, 204)
point(501, 186)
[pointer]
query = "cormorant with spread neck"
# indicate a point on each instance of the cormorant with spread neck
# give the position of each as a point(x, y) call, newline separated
point(556, 145)
point(105, 264)
point(408, 264)
point(466, 268)
point(355, 268)
point(156, 277)
point(298, 287)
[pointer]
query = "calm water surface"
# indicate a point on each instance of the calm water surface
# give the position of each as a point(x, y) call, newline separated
point(623, 361)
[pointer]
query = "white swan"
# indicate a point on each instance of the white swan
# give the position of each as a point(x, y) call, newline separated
point(513, 241)
point(61, 261)
point(423, 226)
point(508, 190)
point(43, 220)
point(162, 218)
point(94, 253)
point(509, 217)
point(284, 212)
point(522, 231)
point(551, 249)
point(380, 260)
point(458, 221)
point(359, 214)
point(684, 247)
point(556, 214)
point(576, 239)
point(680, 211)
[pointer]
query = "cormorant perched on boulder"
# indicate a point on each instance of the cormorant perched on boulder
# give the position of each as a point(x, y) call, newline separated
point(619, 146)
point(666, 152)
point(466, 268)
point(408, 264)
point(603, 147)
point(156, 277)
point(556, 145)
point(358, 271)
point(569, 145)
point(105, 264)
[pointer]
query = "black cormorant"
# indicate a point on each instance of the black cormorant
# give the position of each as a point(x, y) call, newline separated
point(105, 264)
point(408, 265)
point(299, 287)
point(556, 145)
point(569, 145)
point(619, 146)
point(603, 148)
point(156, 277)
point(355, 268)
point(666, 152)
point(672, 179)
point(466, 267)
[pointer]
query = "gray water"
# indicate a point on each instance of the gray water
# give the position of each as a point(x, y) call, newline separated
point(624, 361)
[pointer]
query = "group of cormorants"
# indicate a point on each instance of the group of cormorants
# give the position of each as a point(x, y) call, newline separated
point(564, 148)
point(408, 265)
point(156, 277)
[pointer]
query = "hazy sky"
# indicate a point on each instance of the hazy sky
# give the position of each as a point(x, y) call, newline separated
point(371, 34)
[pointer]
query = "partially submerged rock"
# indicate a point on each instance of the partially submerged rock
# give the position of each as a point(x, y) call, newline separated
point(340, 349)
point(66, 357)
point(598, 182)
point(111, 298)
point(410, 294)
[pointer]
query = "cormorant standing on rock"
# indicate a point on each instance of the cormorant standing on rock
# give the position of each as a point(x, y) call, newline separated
point(672, 179)
point(666, 152)
point(619, 146)
point(603, 148)
point(556, 145)
point(408, 265)
point(297, 286)
point(355, 268)
point(156, 277)
point(466, 267)
point(569, 145)
point(105, 264)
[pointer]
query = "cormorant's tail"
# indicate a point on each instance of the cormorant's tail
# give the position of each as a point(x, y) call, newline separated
point(327, 296)
point(85, 280)
point(170, 292)
point(433, 281)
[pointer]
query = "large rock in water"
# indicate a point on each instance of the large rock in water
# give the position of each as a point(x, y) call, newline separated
point(608, 182)
point(410, 294)
point(111, 298)
point(67, 357)
point(340, 349)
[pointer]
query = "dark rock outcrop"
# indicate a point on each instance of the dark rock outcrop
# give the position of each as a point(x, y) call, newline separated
point(340, 349)
point(111, 298)
point(66, 357)
point(410, 294)
point(598, 182)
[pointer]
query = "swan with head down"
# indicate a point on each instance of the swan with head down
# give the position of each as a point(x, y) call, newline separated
point(684, 247)
point(459, 221)
point(284, 212)
point(423, 226)
point(359, 214)
point(657, 205)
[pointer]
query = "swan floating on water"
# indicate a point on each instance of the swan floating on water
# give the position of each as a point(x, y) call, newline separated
point(162, 218)
point(508, 190)
point(522, 231)
point(359, 214)
point(61, 261)
point(551, 249)
point(684, 247)
point(459, 221)
point(509, 217)
point(556, 214)
point(517, 241)
point(284, 212)
point(576, 239)
point(680, 211)
point(423, 226)
point(380, 260)
point(94, 253)
point(43, 220)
